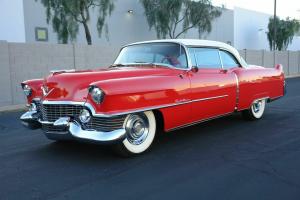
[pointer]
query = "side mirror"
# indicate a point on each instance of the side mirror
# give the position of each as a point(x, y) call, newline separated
point(194, 69)
point(224, 71)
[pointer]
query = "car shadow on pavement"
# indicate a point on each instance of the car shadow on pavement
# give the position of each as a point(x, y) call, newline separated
point(165, 143)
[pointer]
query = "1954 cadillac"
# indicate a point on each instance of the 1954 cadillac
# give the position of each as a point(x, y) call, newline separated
point(171, 83)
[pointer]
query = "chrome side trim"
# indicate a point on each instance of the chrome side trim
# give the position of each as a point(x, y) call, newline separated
point(89, 106)
point(200, 121)
point(237, 91)
point(209, 98)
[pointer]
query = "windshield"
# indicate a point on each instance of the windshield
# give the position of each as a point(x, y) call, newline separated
point(168, 54)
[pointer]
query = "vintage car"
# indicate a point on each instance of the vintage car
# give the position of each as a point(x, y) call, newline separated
point(166, 84)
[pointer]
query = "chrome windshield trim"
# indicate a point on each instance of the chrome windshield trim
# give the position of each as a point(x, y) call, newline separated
point(91, 108)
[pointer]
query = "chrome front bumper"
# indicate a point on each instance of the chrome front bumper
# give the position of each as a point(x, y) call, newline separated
point(74, 130)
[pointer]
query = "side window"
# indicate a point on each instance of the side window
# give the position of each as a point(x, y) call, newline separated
point(207, 58)
point(228, 60)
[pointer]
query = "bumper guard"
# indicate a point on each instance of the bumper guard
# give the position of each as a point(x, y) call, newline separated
point(74, 129)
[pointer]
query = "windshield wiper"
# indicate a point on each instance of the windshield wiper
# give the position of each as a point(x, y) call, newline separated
point(117, 65)
point(143, 63)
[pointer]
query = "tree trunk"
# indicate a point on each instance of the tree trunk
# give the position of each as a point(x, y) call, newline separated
point(87, 33)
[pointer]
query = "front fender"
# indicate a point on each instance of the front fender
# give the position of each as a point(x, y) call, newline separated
point(141, 93)
point(35, 85)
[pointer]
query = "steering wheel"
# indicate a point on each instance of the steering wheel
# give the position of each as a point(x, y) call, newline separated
point(172, 60)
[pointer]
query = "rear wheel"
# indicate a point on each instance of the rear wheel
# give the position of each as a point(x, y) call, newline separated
point(140, 129)
point(256, 110)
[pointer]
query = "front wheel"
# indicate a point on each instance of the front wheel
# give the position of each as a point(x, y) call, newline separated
point(256, 110)
point(140, 130)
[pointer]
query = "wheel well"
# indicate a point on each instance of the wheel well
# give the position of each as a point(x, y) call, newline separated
point(159, 119)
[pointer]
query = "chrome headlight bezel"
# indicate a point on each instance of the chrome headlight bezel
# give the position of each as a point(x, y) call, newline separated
point(32, 107)
point(85, 116)
point(97, 94)
point(27, 90)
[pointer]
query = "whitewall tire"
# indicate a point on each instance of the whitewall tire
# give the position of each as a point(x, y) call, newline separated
point(256, 110)
point(140, 130)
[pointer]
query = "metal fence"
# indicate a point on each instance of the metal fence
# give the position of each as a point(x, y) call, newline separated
point(21, 61)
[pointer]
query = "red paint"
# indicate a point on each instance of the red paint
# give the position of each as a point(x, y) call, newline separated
point(132, 88)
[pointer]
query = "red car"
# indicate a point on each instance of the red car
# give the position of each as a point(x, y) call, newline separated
point(172, 83)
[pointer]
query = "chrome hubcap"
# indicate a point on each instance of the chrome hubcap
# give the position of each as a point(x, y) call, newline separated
point(257, 106)
point(137, 128)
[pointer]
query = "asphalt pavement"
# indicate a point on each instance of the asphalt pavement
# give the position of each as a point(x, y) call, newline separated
point(227, 158)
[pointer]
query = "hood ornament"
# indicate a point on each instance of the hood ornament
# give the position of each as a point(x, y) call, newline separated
point(46, 90)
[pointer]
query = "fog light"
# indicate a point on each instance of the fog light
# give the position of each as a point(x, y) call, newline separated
point(32, 107)
point(85, 116)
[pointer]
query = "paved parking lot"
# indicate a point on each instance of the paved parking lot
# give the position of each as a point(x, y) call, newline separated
point(227, 158)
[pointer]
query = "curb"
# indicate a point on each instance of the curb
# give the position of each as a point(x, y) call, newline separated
point(12, 108)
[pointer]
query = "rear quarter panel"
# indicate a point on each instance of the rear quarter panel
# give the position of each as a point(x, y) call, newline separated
point(259, 82)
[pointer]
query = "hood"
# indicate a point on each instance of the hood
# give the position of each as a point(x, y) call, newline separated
point(72, 86)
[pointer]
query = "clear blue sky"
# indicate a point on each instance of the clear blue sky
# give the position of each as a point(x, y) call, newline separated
point(285, 8)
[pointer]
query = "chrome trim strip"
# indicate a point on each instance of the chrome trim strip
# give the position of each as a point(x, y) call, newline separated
point(200, 121)
point(237, 91)
point(76, 131)
point(209, 98)
point(88, 105)
point(45, 122)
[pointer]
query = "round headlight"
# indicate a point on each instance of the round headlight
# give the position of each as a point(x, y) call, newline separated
point(27, 90)
point(85, 116)
point(97, 95)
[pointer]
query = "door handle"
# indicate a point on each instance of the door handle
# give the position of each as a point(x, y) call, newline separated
point(180, 76)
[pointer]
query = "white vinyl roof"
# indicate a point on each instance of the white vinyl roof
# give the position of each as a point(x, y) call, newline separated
point(198, 43)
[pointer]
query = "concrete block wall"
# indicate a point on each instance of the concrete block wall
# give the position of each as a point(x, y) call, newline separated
point(96, 56)
point(5, 78)
point(31, 61)
point(268, 59)
point(19, 62)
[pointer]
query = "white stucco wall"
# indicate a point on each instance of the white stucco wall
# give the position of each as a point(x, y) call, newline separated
point(123, 27)
point(12, 21)
point(250, 29)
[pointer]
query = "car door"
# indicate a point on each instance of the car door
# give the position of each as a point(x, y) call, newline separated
point(213, 89)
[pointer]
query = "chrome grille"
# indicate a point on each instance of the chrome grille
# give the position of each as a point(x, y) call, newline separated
point(106, 124)
point(52, 112)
